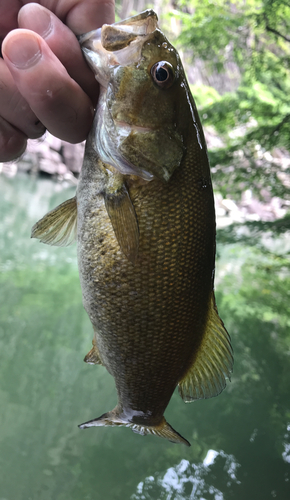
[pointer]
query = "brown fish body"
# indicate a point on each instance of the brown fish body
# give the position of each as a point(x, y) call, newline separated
point(146, 232)
point(149, 317)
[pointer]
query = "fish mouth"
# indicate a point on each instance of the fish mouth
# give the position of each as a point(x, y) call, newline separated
point(119, 35)
point(117, 44)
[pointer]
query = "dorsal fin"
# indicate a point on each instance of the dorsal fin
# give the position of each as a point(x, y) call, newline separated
point(59, 226)
point(213, 364)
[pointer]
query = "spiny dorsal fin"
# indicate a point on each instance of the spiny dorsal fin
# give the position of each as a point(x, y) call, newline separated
point(214, 362)
point(124, 221)
point(59, 226)
point(93, 357)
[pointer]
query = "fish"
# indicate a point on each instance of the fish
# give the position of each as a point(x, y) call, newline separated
point(144, 220)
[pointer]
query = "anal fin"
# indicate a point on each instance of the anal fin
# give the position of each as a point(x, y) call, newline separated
point(213, 364)
point(93, 357)
point(59, 226)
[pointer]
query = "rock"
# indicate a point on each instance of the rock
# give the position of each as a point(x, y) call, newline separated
point(73, 156)
point(9, 169)
point(54, 157)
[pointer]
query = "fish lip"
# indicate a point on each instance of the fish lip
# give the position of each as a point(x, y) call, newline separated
point(140, 19)
point(141, 24)
point(82, 39)
point(119, 35)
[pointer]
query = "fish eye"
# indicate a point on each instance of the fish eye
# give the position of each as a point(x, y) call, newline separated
point(163, 74)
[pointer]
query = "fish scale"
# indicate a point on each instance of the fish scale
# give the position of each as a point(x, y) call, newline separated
point(145, 222)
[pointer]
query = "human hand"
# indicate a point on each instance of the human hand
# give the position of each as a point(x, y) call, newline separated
point(44, 80)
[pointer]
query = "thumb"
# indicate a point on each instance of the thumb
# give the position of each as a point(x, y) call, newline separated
point(55, 98)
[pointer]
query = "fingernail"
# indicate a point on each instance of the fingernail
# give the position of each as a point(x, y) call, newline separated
point(36, 18)
point(24, 52)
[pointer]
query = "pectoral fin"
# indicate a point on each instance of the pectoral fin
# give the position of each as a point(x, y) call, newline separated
point(124, 221)
point(59, 226)
point(213, 364)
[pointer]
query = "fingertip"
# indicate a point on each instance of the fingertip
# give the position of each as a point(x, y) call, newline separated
point(21, 49)
point(12, 142)
point(37, 18)
point(37, 130)
point(87, 16)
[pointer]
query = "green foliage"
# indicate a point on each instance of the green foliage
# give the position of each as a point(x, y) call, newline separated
point(254, 35)
point(204, 95)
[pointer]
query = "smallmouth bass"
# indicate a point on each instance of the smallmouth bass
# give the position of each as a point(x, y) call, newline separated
point(145, 224)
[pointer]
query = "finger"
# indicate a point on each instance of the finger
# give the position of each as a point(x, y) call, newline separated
point(13, 107)
point(56, 99)
point(82, 16)
point(62, 42)
point(8, 16)
point(12, 141)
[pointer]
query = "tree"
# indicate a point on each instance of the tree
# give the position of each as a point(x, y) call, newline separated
point(255, 118)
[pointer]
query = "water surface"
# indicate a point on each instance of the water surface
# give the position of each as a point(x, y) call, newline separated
point(240, 440)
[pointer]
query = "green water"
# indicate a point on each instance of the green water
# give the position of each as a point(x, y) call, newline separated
point(240, 440)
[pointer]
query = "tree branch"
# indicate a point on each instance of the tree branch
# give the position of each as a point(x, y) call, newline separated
point(268, 28)
point(282, 122)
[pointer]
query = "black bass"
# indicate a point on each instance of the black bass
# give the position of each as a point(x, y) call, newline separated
point(145, 224)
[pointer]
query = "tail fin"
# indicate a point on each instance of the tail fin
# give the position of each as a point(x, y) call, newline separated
point(163, 429)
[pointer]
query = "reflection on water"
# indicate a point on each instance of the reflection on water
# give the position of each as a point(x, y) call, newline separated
point(286, 444)
point(240, 440)
point(192, 481)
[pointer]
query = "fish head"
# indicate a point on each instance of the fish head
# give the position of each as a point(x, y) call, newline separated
point(138, 127)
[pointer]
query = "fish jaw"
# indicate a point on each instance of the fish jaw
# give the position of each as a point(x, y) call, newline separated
point(117, 44)
point(106, 49)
